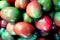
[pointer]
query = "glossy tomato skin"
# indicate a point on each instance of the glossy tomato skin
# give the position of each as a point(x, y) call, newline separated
point(9, 28)
point(21, 3)
point(4, 23)
point(44, 23)
point(24, 29)
point(57, 18)
point(10, 14)
point(11, 1)
point(34, 9)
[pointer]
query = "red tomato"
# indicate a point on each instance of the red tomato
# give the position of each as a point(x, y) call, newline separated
point(41, 38)
point(9, 28)
point(0, 14)
point(0, 38)
point(24, 29)
point(59, 32)
point(21, 3)
point(11, 1)
point(34, 9)
point(0, 22)
point(32, 0)
point(3, 23)
point(44, 23)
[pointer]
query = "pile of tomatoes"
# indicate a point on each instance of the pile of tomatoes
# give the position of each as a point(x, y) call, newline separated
point(29, 20)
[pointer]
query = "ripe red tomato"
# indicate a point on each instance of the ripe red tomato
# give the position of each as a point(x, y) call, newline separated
point(3, 23)
point(32, 0)
point(44, 23)
point(9, 28)
point(41, 38)
point(24, 29)
point(0, 22)
point(0, 14)
point(59, 32)
point(34, 9)
point(0, 38)
point(11, 1)
point(21, 3)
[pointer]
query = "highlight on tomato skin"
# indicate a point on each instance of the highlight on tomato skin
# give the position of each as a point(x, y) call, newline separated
point(34, 9)
point(44, 23)
point(24, 29)
point(21, 4)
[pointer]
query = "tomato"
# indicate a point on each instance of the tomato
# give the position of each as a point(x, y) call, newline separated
point(6, 36)
point(24, 29)
point(9, 28)
point(44, 23)
point(10, 14)
point(26, 18)
point(41, 38)
point(32, 0)
point(3, 4)
point(46, 4)
point(34, 9)
point(3, 23)
point(11, 1)
point(57, 18)
point(21, 3)
point(0, 38)
point(58, 32)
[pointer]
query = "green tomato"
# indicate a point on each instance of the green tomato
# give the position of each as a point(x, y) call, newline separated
point(6, 36)
point(46, 4)
point(3, 4)
point(10, 14)
point(56, 4)
point(26, 18)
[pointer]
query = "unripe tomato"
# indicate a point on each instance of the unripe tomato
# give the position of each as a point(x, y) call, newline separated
point(26, 18)
point(21, 3)
point(3, 23)
point(24, 29)
point(56, 4)
point(6, 36)
point(44, 23)
point(46, 4)
point(3, 4)
point(34, 9)
point(57, 18)
point(9, 28)
point(10, 14)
